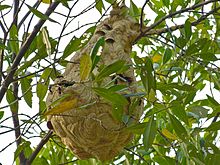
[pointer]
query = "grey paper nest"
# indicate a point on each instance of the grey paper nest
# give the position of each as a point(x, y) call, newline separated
point(93, 131)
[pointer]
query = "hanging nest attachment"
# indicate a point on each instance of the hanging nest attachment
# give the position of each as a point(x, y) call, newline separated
point(89, 105)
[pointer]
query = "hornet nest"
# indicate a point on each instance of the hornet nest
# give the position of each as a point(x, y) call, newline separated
point(92, 130)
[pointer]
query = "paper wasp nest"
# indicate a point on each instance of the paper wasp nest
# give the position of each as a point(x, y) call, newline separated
point(92, 131)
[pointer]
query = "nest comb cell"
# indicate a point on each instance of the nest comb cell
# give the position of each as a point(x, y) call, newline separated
point(92, 131)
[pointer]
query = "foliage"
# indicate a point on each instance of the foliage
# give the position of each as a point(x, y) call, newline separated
point(176, 61)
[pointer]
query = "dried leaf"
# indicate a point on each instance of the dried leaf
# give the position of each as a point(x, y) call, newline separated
point(63, 107)
point(85, 66)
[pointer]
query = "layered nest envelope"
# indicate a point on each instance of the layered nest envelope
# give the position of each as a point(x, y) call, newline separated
point(89, 106)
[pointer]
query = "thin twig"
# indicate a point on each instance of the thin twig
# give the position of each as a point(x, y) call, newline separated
point(7, 146)
point(3, 28)
point(216, 117)
point(63, 29)
point(142, 13)
point(23, 50)
point(136, 154)
point(27, 14)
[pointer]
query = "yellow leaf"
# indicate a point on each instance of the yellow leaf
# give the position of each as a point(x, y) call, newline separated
point(156, 58)
point(169, 135)
point(46, 41)
point(85, 66)
point(47, 1)
point(63, 107)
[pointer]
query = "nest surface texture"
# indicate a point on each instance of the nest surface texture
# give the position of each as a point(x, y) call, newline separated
point(92, 131)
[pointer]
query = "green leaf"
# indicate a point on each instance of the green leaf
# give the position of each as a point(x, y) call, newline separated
point(42, 106)
point(116, 88)
point(137, 128)
point(41, 90)
point(215, 126)
point(217, 21)
point(157, 4)
point(65, 3)
point(40, 160)
point(110, 1)
point(48, 72)
point(85, 67)
point(74, 45)
point(208, 56)
point(179, 111)
point(1, 114)
point(199, 111)
point(41, 15)
point(95, 58)
point(98, 44)
point(144, 80)
point(181, 42)
point(12, 100)
point(197, 161)
point(149, 133)
point(212, 100)
point(138, 61)
point(21, 148)
point(188, 29)
point(166, 3)
point(26, 89)
point(164, 160)
point(134, 11)
point(2, 46)
point(14, 45)
point(170, 86)
point(147, 77)
point(2, 7)
point(110, 96)
point(167, 55)
point(178, 128)
point(117, 112)
point(110, 69)
point(212, 159)
point(99, 5)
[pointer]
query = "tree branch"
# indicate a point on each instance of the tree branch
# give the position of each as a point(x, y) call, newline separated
point(151, 27)
point(173, 28)
point(39, 147)
point(23, 50)
point(15, 117)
